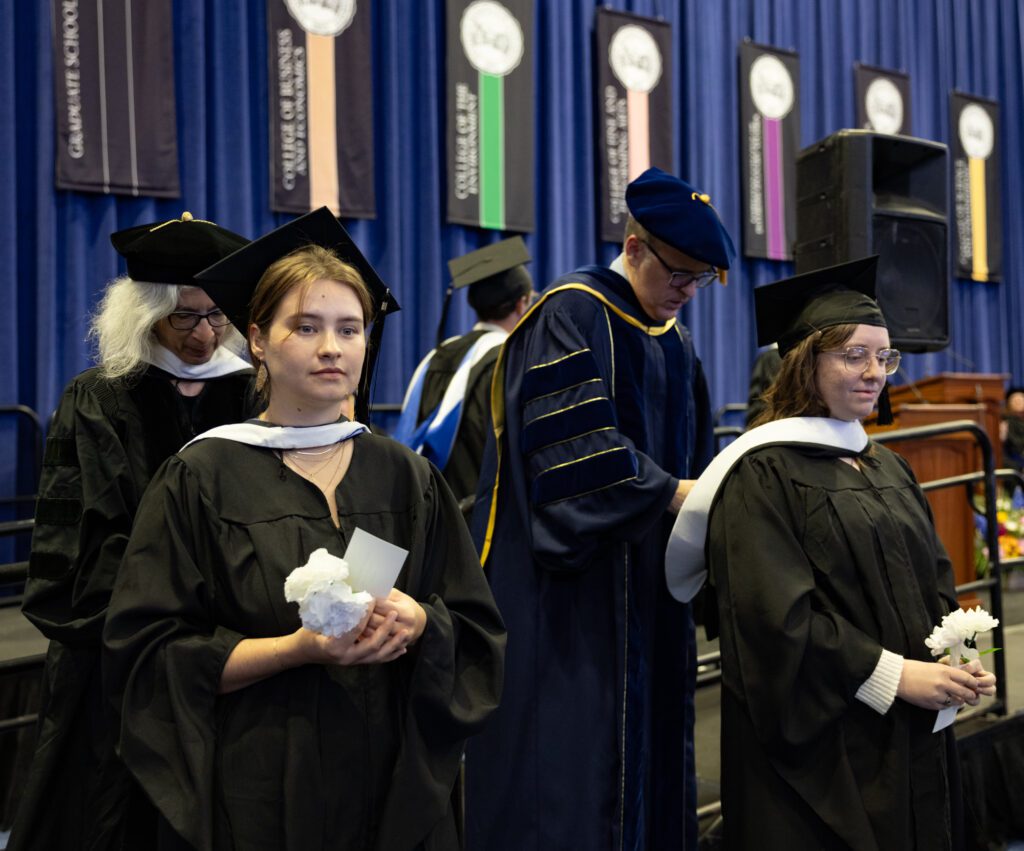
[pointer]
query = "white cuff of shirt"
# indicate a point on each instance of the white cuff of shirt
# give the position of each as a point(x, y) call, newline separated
point(879, 690)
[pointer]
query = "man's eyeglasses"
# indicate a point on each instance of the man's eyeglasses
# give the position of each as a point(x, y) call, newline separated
point(679, 279)
point(856, 358)
point(186, 320)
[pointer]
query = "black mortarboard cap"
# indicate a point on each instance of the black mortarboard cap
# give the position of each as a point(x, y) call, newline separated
point(495, 274)
point(790, 310)
point(175, 251)
point(794, 308)
point(681, 216)
point(232, 281)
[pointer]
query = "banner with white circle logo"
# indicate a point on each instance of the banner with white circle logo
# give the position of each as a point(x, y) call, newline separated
point(977, 193)
point(633, 111)
point(490, 113)
point(769, 140)
point(883, 99)
point(321, 106)
point(113, 67)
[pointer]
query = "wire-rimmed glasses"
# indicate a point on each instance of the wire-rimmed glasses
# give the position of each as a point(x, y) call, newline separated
point(856, 358)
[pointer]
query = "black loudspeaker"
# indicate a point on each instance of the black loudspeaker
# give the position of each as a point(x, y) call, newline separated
point(862, 193)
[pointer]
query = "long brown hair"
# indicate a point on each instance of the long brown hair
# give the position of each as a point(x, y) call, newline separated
point(302, 268)
point(794, 392)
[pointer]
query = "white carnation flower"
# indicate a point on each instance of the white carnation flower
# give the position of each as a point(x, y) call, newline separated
point(942, 639)
point(959, 629)
point(972, 622)
point(326, 601)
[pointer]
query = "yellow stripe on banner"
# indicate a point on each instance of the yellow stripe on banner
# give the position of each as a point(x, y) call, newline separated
point(323, 128)
point(979, 223)
point(638, 132)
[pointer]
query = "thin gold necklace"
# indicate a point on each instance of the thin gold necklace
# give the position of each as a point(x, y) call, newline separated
point(312, 474)
point(334, 471)
point(317, 452)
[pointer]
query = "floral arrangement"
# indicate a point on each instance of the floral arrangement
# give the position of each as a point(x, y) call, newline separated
point(1010, 517)
point(327, 603)
point(957, 635)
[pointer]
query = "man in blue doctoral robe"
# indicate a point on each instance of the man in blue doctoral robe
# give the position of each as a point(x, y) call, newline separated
point(601, 421)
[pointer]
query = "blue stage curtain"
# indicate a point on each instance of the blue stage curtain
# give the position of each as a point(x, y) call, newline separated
point(56, 256)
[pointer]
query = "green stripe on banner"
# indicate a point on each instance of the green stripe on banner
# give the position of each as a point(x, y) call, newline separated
point(492, 152)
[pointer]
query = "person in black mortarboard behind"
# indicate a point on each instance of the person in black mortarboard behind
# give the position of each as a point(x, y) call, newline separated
point(829, 576)
point(167, 369)
point(246, 729)
point(601, 419)
point(446, 409)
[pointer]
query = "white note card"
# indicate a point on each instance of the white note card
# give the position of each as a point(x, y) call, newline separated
point(945, 717)
point(373, 563)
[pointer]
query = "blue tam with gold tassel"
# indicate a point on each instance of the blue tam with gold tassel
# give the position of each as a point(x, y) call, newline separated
point(681, 216)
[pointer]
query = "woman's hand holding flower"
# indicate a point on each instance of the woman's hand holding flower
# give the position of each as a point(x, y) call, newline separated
point(932, 685)
point(984, 681)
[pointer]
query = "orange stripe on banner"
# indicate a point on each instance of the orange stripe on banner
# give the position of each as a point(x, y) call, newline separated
point(979, 222)
point(323, 130)
point(638, 132)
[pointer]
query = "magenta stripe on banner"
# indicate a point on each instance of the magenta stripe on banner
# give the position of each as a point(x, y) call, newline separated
point(774, 197)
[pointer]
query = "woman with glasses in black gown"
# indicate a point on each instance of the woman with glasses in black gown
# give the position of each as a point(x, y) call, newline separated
point(828, 576)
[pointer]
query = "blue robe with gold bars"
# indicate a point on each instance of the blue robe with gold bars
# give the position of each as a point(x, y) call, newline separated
point(598, 412)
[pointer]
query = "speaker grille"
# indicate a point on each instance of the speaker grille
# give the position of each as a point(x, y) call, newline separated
point(912, 282)
point(861, 193)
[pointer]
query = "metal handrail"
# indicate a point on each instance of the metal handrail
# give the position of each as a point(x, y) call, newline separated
point(993, 580)
point(18, 722)
point(37, 432)
point(22, 664)
point(725, 431)
point(15, 571)
point(15, 527)
point(729, 408)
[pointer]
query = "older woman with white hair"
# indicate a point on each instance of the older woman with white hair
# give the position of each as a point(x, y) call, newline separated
point(167, 370)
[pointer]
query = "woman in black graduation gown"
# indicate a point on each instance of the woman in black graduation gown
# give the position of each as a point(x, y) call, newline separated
point(829, 576)
point(165, 373)
point(247, 730)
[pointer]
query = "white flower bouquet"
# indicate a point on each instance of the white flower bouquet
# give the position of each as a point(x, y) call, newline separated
point(327, 603)
point(958, 633)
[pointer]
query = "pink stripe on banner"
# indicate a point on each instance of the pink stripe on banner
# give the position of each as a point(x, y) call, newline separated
point(774, 197)
point(638, 133)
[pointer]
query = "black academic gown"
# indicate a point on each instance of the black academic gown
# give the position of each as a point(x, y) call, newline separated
point(105, 443)
point(319, 756)
point(462, 471)
point(817, 567)
point(604, 411)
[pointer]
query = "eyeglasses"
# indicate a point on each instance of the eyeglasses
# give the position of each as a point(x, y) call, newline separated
point(679, 279)
point(856, 358)
point(186, 320)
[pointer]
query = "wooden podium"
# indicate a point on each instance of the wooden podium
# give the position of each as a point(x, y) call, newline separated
point(940, 399)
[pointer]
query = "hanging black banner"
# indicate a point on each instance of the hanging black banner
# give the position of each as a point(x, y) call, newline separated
point(633, 112)
point(490, 113)
point(321, 106)
point(114, 88)
point(977, 192)
point(770, 136)
point(883, 99)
